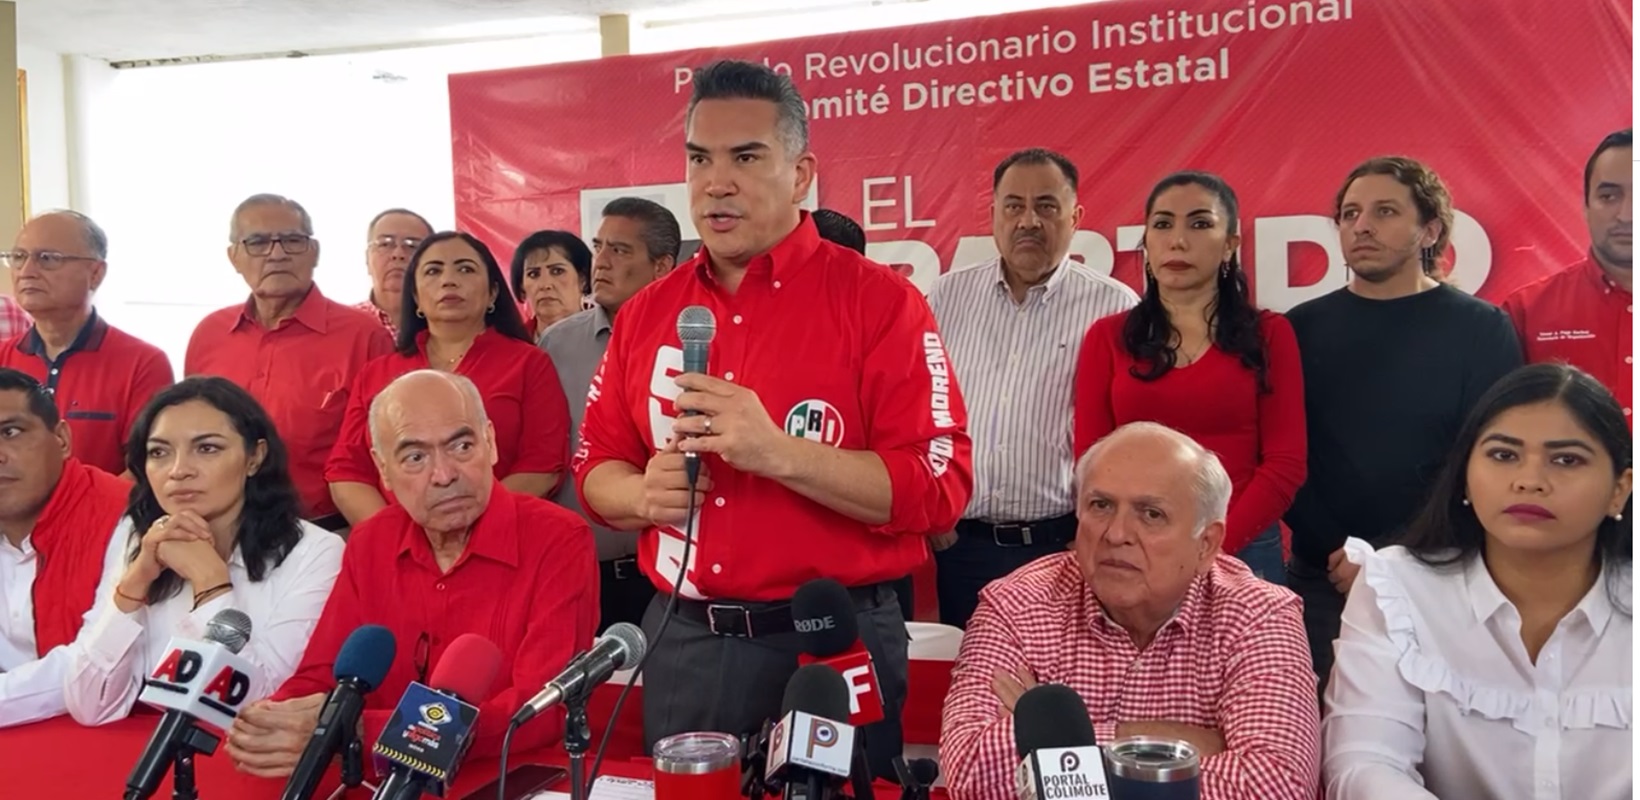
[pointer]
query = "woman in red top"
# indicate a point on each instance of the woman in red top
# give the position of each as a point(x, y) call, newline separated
point(1197, 356)
point(460, 317)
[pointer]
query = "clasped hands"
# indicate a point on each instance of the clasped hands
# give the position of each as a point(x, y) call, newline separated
point(1010, 685)
point(182, 543)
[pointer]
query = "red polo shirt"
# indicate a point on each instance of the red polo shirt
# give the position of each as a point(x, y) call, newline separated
point(101, 382)
point(1581, 317)
point(528, 582)
point(840, 351)
point(522, 396)
point(300, 372)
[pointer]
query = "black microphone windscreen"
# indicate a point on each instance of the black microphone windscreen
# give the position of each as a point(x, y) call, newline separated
point(925, 770)
point(1051, 715)
point(823, 614)
point(819, 690)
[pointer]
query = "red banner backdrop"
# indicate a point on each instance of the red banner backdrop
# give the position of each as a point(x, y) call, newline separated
point(1505, 99)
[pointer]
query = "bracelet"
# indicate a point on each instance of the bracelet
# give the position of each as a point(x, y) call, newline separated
point(200, 597)
point(123, 596)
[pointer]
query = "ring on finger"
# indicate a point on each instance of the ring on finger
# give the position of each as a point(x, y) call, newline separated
point(707, 425)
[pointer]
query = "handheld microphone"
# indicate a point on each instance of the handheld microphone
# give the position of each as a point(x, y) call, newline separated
point(696, 327)
point(811, 749)
point(917, 776)
point(195, 682)
point(621, 647)
point(1055, 742)
point(361, 665)
point(431, 728)
point(824, 617)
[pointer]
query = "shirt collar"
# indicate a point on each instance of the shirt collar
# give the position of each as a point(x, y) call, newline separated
point(1598, 276)
point(1485, 598)
point(781, 262)
point(494, 536)
point(601, 321)
point(90, 337)
point(1046, 291)
point(312, 313)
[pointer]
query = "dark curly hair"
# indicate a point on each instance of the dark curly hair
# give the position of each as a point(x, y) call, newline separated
point(269, 522)
point(1429, 196)
point(503, 314)
point(1233, 321)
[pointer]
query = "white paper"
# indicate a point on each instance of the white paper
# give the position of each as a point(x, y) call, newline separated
point(608, 788)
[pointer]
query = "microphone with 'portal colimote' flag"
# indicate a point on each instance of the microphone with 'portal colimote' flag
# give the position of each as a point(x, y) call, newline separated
point(823, 614)
point(1059, 756)
point(432, 726)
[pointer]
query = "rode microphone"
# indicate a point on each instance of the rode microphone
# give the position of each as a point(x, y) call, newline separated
point(361, 665)
point(621, 647)
point(811, 749)
point(194, 682)
point(823, 615)
point(1055, 742)
point(696, 327)
point(431, 728)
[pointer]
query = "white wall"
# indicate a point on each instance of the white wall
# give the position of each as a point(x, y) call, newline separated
point(47, 128)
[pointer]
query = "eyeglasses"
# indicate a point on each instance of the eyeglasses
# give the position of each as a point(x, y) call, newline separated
point(293, 244)
point(49, 260)
point(391, 242)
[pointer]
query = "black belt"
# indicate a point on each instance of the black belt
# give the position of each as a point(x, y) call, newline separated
point(621, 569)
point(1052, 531)
point(748, 620)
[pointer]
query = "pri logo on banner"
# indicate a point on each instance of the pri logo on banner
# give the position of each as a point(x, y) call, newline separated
point(817, 421)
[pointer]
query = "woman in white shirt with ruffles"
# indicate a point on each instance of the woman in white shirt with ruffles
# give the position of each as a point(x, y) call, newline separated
point(219, 528)
point(1491, 655)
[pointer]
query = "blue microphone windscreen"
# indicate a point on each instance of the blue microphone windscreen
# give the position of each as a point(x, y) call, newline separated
point(367, 655)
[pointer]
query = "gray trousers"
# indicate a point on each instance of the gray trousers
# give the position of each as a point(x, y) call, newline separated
point(697, 681)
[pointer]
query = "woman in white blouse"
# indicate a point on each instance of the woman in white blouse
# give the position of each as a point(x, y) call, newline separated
point(219, 529)
point(1491, 655)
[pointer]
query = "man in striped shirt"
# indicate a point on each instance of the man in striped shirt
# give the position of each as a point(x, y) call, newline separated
point(1013, 326)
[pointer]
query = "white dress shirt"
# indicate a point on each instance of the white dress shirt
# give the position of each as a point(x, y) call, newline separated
point(1433, 694)
point(1016, 363)
point(31, 689)
point(115, 651)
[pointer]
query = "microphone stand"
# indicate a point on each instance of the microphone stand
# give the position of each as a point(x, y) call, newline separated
point(577, 741)
point(182, 766)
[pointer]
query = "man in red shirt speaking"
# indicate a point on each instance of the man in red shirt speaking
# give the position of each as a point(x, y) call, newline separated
point(831, 434)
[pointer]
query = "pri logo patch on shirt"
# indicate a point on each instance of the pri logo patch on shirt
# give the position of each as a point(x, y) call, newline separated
point(817, 421)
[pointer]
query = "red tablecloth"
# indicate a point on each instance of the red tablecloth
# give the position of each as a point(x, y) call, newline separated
point(60, 759)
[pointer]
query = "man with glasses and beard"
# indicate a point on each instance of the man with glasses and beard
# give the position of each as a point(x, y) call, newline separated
point(295, 350)
point(392, 236)
point(1584, 314)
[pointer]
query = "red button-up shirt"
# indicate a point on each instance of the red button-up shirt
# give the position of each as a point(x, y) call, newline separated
point(1580, 316)
point(528, 582)
point(841, 352)
point(300, 372)
point(1233, 658)
point(522, 396)
point(101, 382)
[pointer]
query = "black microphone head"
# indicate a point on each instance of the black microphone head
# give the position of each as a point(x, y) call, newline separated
point(1051, 715)
point(697, 325)
point(632, 644)
point(819, 690)
point(925, 771)
point(366, 656)
point(230, 628)
point(823, 614)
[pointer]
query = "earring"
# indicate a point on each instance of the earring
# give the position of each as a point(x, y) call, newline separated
point(1618, 516)
point(1224, 269)
point(1466, 501)
point(492, 308)
point(421, 315)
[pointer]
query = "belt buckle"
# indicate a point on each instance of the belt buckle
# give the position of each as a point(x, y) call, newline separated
point(620, 566)
point(1024, 535)
point(745, 618)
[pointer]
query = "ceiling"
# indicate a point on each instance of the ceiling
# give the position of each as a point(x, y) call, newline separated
point(139, 30)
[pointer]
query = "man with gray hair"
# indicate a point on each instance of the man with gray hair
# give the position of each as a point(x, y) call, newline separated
point(99, 375)
point(295, 350)
point(1160, 633)
point(458, 553)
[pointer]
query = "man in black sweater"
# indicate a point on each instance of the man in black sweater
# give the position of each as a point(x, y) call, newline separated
point(1393, 363)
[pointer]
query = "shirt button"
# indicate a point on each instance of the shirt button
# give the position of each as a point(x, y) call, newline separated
point(439, 587)
point(777, 284)
point(738, 319)
point(1628, 359)
point(729, 376)
point(717, 569)
point(1628, 412)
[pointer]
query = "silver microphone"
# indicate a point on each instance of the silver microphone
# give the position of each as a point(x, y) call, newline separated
point(230, 628)
point(696, 327)
point(621, 647)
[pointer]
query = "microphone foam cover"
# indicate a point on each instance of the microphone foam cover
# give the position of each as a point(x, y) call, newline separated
point(696, 324)
point(823, 607)
point(230, 628)
point(925, 770)
point(819, 690)
point(366, 656)
point(467, 669)
point(1051, 715)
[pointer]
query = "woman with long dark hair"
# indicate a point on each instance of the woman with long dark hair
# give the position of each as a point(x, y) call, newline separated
point(1197, 356)
point(460, 317)
point(1490, 654)
point(551, 276)
point(213, 523)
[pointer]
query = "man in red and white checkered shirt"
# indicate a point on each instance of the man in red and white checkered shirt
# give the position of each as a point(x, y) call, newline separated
point(1160, 633)
point(13, 319)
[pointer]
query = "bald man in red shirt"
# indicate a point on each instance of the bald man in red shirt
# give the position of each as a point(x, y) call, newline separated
point(831, 434)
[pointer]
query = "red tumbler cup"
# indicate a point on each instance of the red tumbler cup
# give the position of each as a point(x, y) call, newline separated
point(697, 766)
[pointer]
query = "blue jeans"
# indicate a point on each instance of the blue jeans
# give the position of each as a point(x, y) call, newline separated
point(1263, 556)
